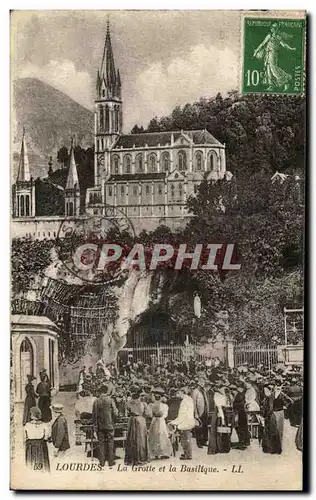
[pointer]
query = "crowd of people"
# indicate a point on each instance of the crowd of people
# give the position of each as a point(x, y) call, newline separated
point(214, 404)
point(221, 408)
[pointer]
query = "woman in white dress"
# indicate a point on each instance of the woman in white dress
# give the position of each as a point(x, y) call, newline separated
point(159, 444)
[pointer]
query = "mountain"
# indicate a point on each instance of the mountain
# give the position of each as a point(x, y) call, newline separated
point(50, 118)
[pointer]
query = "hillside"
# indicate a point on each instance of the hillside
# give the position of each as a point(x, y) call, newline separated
point(50, 118)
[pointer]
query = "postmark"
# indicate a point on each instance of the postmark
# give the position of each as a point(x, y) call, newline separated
point(273, 56)
point(90, 233)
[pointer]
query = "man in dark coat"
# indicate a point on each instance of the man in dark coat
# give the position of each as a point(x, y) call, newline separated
point(60, 437)
point(103, 411)
point(241, 418)
point(201, 411)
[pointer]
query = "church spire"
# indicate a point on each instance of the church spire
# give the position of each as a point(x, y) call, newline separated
point(107, 77)
point(24, 168)
point(72, 179)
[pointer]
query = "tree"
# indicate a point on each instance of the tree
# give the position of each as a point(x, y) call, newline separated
point(63, 156)
point(137, 130)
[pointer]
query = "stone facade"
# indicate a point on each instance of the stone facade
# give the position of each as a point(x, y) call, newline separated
point(147, 174)
point(153, 174)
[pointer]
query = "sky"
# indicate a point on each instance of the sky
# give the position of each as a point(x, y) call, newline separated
point(166, 58)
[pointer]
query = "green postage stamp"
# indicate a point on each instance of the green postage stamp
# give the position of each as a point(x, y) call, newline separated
point(273, 56)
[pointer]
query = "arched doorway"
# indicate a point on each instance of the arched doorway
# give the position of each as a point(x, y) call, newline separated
point(26, 364)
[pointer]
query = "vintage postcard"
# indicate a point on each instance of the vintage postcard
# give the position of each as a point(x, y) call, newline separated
point(157, 250)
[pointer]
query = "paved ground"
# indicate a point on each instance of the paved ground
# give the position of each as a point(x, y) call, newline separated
point(256, 469)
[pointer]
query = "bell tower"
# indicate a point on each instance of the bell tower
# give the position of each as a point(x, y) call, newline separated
point(108, 110)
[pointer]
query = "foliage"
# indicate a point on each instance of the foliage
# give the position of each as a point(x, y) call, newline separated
point(49, 192)
point(63, 156)
point(49, 199)
point(29, 259)
point(137, 130)
point(261, 133)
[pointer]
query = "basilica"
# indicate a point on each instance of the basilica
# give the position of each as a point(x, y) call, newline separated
point(147, 177)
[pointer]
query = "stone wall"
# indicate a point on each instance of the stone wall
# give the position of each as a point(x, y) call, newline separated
point(40, 228)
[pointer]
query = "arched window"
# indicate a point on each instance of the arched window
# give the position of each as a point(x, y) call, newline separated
point(198, 160)
point(159, 189)
point(172, 190)
point(71, 208)
point(27, 205)
point(26, 346)
point(115, 165)
point(110, 191)
point(152, 163)
point(122, 191)
point(127, 164)
point(147, 189)
point(101, 118)
point(165, 162)
point(139, 163)
point(182, 160)
point(26, 361)
point(107, 118)
point(212, 161)
point(18, 205)
point(180, 190)
point(90, 198)
point(22, 206)
point(134, 190)
point(103, 93)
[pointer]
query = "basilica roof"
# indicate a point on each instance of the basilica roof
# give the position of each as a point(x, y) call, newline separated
point(153, 139)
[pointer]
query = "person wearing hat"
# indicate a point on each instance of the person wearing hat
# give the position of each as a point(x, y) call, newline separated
point(159, 444)
point(30, 399)
point(59, 435)
point(185, 422)
point(36, 435)
point(136, 448)
point(240, 418)
point(148, 396)
point(251, 396)
point(294, 392)
point(201, 411)
point(173, 403)
point(104, 411)
point(280, 401)
point(219, 435)
point(43, 390)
